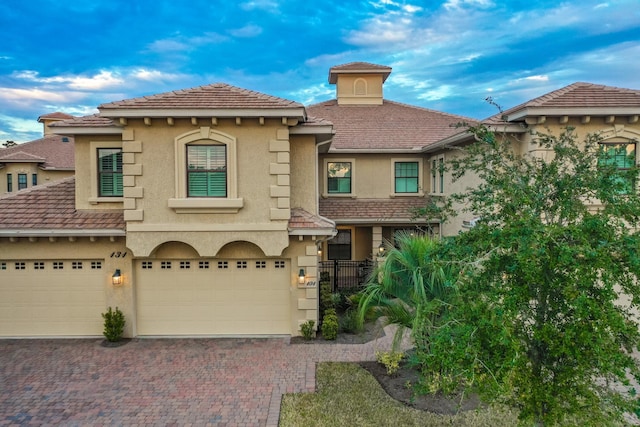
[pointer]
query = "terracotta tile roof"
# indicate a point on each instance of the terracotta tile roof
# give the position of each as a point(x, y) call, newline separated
point(390, 126)
point(217, 95)
point(343, 210)
point(87, 121)
point(577, 95)
point(303, 220)
point(55, 116)
point(53, 151)
point(358, 67)
point(52, 207)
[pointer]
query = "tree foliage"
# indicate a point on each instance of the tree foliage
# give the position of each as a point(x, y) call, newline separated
point(546, 316)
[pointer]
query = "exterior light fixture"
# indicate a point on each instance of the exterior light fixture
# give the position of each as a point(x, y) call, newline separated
point(381, 249)
point(116, 279)
point(301, 276)
point(319, 249)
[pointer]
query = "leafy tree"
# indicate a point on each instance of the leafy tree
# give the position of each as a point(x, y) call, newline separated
point(547, 317)
point(9, 144)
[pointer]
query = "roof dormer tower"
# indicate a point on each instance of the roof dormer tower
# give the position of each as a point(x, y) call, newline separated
point(359, 83)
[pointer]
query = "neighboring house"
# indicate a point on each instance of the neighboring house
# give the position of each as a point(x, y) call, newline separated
point(608, 111)
point(200, 212)
point(43, 160)
point(375, 173)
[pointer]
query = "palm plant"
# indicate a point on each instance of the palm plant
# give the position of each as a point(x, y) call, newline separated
point(411, 288)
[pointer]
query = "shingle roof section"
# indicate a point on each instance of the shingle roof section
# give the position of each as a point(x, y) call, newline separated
point(358, 67)
point(54, 151)
point(55, 116)
point(390, 126)
point(87, 121)
point(374, 210)
point(52, 207)
point(301, 219)
point(578, 95)
point(216, 95)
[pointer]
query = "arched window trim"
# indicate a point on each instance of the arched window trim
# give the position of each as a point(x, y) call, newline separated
point(183, 204)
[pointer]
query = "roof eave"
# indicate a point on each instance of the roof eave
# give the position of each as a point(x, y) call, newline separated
point(312, 232)
point(297, 112)
point(87, 130)
point(44, 232)
point(572, 111)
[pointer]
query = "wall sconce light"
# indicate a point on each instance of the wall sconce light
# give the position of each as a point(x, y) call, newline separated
point(301, 276)
point(381, 249)
point(116, 279)
point(319, 249)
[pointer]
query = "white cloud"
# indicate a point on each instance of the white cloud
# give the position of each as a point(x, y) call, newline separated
point(459, 4)
point(314, 94)
point(181, 43)
point(268, 5)
point(26, 96)
point(246, 31)
point(102, 80)
point(537, 78)
point(18, 125)
point(153, 75)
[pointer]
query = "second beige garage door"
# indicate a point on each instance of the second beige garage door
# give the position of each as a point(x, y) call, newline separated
point(212, 297)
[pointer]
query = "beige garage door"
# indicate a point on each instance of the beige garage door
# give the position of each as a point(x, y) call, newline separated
point(212, 297)
point(51, 298)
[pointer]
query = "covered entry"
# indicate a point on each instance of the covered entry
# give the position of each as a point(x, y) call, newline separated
point(212, 296)
point(52, 298)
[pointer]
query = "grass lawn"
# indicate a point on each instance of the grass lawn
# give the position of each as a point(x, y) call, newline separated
point(348, 395)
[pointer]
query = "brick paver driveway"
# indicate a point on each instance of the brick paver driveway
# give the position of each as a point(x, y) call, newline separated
point(221, 382)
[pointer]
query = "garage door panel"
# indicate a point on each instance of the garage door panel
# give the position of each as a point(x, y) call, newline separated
point(213, 301)
point(51, 302)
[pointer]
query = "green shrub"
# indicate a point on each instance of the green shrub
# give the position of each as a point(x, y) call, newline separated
point(349, 321)
point(113, 324)
point(326, 297)
point(390, 360)
point(307, 329)
point(330, 324)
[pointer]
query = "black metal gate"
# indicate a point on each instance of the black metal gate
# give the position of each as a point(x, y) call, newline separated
point(346, 274)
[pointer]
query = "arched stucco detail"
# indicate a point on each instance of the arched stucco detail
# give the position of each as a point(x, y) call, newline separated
point(208, 136)
point(174, 249)
point(620, 131)
point(241, 249)
point(360, 86)
point(208, 244)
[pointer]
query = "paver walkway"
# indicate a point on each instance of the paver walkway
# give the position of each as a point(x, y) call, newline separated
point(160, 382)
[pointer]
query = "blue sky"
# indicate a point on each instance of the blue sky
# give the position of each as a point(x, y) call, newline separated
point(447, 55)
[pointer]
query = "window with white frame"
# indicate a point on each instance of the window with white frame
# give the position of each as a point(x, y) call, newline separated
point(406, 177)
point(206, 171)
point(622, 156)
point(110, 172)
point(339, 177)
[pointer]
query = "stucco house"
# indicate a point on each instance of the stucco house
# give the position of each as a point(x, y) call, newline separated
point(201, 212)
point(39, 161)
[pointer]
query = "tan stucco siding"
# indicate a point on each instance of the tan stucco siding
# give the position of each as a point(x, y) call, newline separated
point(43, 176)
point(373, 174)
point(303, 173)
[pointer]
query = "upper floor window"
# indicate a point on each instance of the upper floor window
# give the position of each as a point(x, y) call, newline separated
point(34, 179)
point(9, 183)
point(22, 181)
point(437, 175)
point(339, 177)
point(109, 172)
point(206, 171)
point(406, 176)
point(623, 157)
